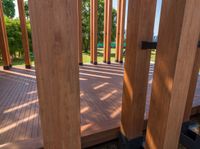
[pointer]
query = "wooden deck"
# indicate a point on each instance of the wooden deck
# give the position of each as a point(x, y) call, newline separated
point(101, 91)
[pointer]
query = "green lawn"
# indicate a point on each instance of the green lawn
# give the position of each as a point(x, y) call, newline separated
point(86, 57)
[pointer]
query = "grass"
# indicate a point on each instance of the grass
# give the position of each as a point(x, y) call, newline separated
point(86, 57)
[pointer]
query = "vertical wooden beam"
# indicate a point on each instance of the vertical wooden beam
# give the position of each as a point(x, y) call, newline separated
point(80, 40)
point(4, 41)
point(54, 29)
point(93, 30)
point(177, 47)
point(95, 18)
point(109, 31)
point(25, 41)
point(105, 29)
point(141, 14)
point(118, 30)
point(122, 22)
point(192, 89)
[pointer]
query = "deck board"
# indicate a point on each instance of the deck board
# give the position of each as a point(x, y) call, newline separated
point(101, 91)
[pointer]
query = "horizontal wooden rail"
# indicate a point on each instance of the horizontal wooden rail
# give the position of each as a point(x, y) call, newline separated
point(153, 45)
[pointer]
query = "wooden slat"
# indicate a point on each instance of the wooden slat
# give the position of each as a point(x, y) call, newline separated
point(95, 17)
point(122, 22)
point(177, 47)
point(80, 40)
point(19, 98)
point(54, 30)
point(140, 27)
point(193, 84)
point(91, 31)
point(25, 40)
point(109, 31)
point(4, 40)
point(105, 29)
point(118, 30)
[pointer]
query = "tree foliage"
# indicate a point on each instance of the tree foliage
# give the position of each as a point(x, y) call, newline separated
point(14, 30)
point(9, 8)
point(15, 36)
point(26, 9)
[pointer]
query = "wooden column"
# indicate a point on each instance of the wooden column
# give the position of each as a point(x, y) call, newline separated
point(192, 89)
point(25, 41)
point(93, 30)
point(118, 30)
point(141, 14)
point(109, 31)
point(80, 40)
point(105, 29)
point(122, 22)
point(54, 29)
point(4, 41)
point(177, 48)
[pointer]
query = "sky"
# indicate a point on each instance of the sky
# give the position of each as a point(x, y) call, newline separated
point(157, 18)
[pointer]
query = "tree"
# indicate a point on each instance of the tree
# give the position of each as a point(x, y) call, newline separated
point(26, 9)
point(86, 23)
point(14, 36)
point(9, 8)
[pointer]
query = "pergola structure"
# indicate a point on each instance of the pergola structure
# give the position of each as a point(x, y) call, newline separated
point(56, 34)
point(7, 62)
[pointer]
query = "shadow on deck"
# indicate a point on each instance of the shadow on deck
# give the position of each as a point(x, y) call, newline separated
point(101, 97)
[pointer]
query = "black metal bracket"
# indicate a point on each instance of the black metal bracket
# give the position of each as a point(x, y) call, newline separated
point(28, 66)
point(6, 67)
point(137, 143)
point(189, 138)
point(153, 45)
point(148, 45)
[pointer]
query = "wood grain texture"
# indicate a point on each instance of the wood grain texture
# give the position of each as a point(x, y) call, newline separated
point(80, 40)
point(95, 18)
point(193, 85)
point(122, 23)
point(109, 30)
point(25, 40)
point(177, 47)
point(105, 29)
point(141, 15)
point(4, 40)
point(118, 30)
point(19, 105)
point(93, 30)
point(54, 31)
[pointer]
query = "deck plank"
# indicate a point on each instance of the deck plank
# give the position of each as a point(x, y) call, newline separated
point(101, 91)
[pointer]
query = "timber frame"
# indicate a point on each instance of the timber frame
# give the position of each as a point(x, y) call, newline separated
point(57, 35)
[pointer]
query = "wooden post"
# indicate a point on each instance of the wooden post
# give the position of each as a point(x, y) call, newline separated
point(109, 31)
point(192, 89)
point(80, 42)
point(118, 31)
point(122, 22)
point(95, 17)
point(177, 47)
point(25, 41)
point(93, 31)
point(105, 29)
point(141, 14)
point(54, 29)
point(4, 41)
